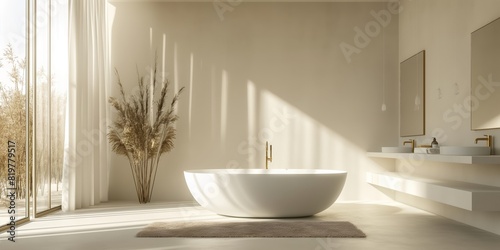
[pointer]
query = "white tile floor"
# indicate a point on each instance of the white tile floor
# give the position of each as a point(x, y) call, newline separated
point(114, 225)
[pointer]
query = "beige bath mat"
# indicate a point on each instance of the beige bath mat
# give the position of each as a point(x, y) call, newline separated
point(267, 229)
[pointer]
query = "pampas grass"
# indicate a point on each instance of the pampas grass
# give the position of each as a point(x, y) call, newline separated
point(13, 124)
point(143, 133)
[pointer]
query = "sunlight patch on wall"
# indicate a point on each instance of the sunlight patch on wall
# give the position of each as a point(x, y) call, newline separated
point(176, 70)
point(300, 141)
point(252, 118)
point(223, 107)
point(213, 104)
point(152, 76)
point(163, 64)
point(190, 111)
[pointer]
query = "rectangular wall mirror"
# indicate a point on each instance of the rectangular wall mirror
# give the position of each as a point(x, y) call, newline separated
point(485, 77)
point(412, 96)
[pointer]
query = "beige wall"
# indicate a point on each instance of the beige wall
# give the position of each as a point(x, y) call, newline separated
point(276, 71)
point(266, 71)
point(443, 28)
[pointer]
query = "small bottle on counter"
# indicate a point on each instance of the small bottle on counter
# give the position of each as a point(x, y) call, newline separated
point(434, 143)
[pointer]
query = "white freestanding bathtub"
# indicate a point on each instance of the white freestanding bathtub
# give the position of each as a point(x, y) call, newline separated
point(265, 193)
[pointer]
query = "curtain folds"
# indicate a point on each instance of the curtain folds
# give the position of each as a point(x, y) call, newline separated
point(85, 173)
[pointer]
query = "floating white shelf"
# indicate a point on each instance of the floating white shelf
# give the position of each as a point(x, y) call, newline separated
point(487, 159)
point(473, 197)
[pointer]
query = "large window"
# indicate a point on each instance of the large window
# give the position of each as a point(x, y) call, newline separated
point(14, 117)
point(49, 101)
point(33, 90)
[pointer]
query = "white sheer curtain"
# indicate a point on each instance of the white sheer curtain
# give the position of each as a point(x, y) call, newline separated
point(85, 174)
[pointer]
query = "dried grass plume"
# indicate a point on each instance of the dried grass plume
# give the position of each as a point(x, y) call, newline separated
point(143, 132)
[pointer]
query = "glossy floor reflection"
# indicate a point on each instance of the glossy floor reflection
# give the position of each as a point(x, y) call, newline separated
point(114, 225)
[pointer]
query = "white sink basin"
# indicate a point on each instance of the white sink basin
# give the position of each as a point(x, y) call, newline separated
point(396, 150)
point(457, 150)
point(426, 151)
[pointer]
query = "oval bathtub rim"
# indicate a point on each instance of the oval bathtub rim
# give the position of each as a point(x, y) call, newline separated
point(274, 171)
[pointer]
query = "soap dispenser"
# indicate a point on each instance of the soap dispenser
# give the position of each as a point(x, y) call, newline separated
point(434, 143)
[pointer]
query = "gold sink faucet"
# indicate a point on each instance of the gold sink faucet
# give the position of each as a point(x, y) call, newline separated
point(489, 141)
point(412, 144)
point(269, 154)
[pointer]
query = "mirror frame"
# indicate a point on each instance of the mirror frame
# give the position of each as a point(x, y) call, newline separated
point(422, 89)
point(474, 81)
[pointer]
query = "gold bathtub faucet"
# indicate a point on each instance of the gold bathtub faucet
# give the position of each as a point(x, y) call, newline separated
point(269, 154)
point(489, 141)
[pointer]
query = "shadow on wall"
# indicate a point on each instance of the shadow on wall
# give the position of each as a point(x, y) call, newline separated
point(280, 78)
